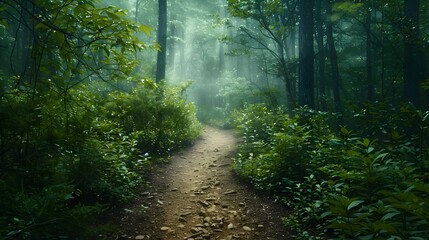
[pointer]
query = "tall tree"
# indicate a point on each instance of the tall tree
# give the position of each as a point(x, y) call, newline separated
point(321, 54)
point(369, 54)
point(333, 59)
point(306, 53)
point(412, 56)
point(162, 40)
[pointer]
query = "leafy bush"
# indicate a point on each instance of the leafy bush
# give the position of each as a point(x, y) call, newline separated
point(165, 121)
point(66, 155)
point(338, 183)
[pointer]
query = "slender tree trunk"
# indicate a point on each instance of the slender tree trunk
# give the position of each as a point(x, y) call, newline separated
point(162, 40)
point(321, 55)
point(334, 61)
point(172, 34)
point(411, 69)
point(136, 16)
point(382, 51)
point(369, 57)
point(306, 54)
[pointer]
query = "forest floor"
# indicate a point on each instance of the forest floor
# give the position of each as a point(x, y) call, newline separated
point(198, 196)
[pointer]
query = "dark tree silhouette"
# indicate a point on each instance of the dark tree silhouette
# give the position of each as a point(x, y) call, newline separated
point(162, 40)
point(306, 53)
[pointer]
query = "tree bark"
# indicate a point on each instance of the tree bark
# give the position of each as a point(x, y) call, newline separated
point(306, 54)
point(412, 78)
point(321, 55)
point(162, 40)
point(369, 57)
point(334, 61)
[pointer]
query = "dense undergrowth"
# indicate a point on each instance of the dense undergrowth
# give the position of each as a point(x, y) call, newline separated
point(366, 181)
point(67, 156)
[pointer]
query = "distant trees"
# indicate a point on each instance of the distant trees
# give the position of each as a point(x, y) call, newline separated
point(273, 32)
point(361, 39)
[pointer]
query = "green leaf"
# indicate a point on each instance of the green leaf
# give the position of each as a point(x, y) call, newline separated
point(325, 214)
point(354, 204)
point(4, 23)
point(145, 29)
point(112, 15)
point(389, 216)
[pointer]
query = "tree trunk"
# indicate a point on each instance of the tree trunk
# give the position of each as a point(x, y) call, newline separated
point(173, 34)
point(411, 53)
point(334, 61)
point(321, 55)
point(306, 54)
point(369, 57)
point(162, 40)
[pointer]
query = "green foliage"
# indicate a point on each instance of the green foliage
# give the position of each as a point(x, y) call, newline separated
point(45, 216)
point(166, 121)
point(63, 156)
point(338, 183)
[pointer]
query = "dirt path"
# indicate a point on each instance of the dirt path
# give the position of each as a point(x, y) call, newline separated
point(197, 196)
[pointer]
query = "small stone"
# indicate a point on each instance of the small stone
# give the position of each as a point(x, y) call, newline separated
point(233, 212)
point(231, 226)
point(175, 189)
point(139, 237)
point(246, 228)
point(204, 204)
point(185, 214)
point(260, 226)
point(230, 192)
point(207, 219)
point(180, 226)
point(165, 229)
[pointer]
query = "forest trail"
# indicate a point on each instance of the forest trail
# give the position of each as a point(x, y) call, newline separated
point(197, 196)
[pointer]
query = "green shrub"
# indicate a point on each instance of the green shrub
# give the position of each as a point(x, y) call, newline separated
point(165, 120)
point(367, 183)
point(66, 155)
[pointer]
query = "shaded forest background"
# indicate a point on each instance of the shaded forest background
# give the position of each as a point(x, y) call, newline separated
point(331, 99)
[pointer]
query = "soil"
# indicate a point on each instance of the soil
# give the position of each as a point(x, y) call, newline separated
point(198, 196)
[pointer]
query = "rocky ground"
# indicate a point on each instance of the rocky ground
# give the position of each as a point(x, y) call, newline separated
point(197, 196)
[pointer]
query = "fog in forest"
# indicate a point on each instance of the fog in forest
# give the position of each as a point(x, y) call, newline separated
point(207, 53)
point(207, 50)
